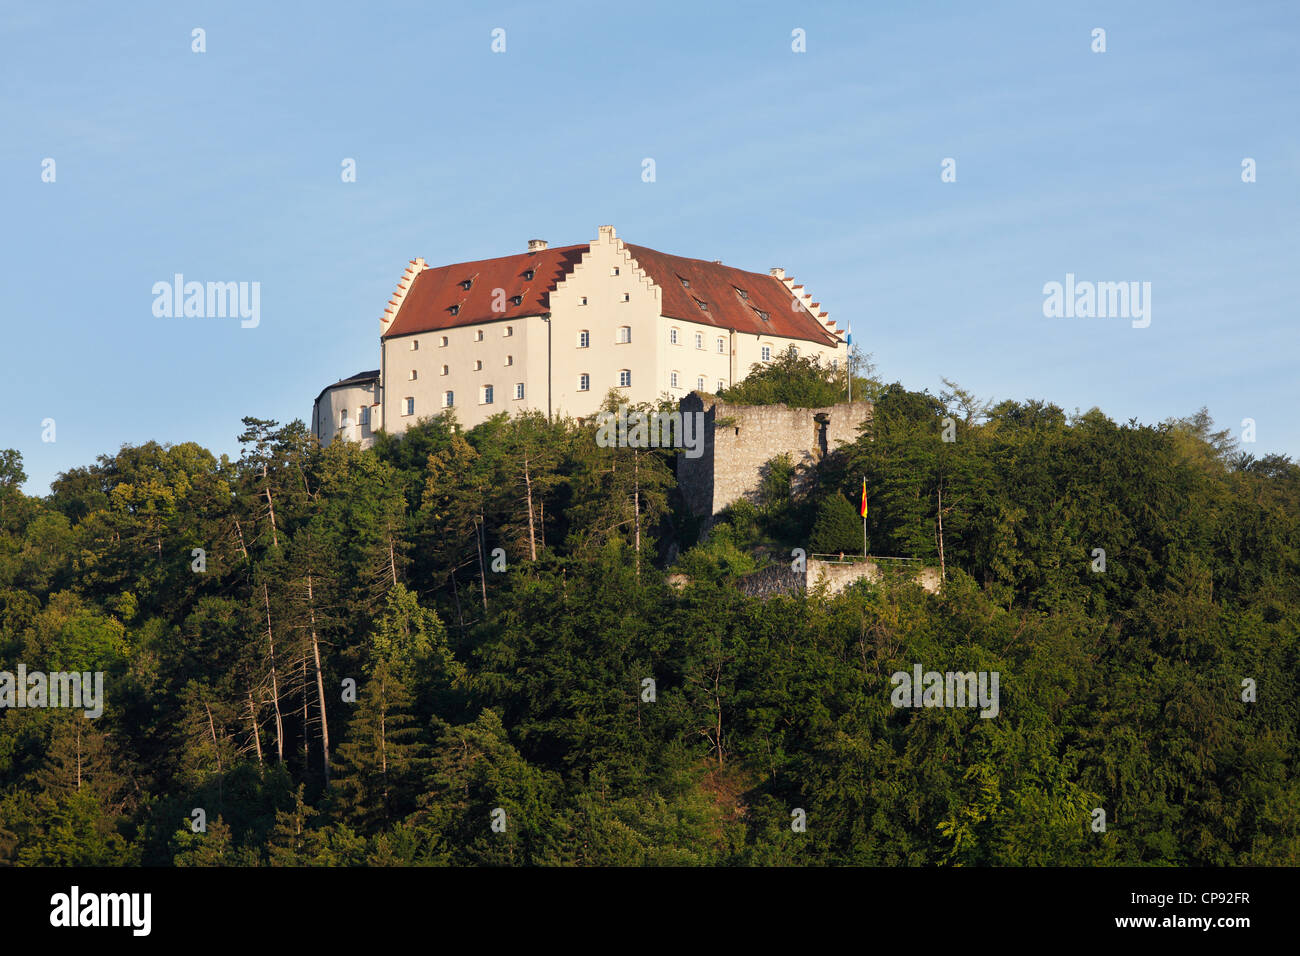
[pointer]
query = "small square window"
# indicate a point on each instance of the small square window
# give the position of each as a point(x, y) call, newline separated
point(412, 377)
point(443, 342)
point(478, 365)
point(627, 296)
point(445, 370)
point(510, 360)
point(584, 301)
point(510, 329)
point(478, 336)
point(614, 271)
point(415, 345)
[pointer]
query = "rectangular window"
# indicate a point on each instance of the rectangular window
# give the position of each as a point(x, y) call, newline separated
point(509, 328)
point(672, 379)
point(448, 399)
point(584, 382)
point(478, 336)
point(519, 390)
point(363, 415)
point(443, 342)
point(767, 353)
point(614, 271)
point(487, 394)
point(584, 339)
point(478, 365)
point(722, 346)
point(414, 374)
point(343, 418)
point(408, 406)
point(721, 385)
point(627, 297)
point(625, 378)
point(699, 340)
point(415, 344)
point(699, 383)
point(624, 334)
point(672, 336)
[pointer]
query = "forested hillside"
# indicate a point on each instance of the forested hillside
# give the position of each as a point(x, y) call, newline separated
point(500, 597)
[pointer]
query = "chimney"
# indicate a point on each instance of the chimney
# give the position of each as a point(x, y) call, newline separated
point(536, 245)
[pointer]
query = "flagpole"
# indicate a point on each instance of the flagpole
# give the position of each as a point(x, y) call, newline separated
point(864, 516)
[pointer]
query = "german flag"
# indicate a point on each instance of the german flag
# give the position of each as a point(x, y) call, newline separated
point(862, 508)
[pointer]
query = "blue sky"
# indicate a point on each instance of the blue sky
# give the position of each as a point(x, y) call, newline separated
point(225, 166)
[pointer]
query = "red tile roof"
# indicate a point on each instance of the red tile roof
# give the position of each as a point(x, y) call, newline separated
point(714, 296)
point(718, 287)
point(439, 289)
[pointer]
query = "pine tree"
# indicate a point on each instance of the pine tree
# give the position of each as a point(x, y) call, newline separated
point(838, 527)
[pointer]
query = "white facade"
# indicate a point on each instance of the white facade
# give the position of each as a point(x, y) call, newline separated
point(347, 410)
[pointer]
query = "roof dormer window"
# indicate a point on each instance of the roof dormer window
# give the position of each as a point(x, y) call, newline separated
point(518, 300)
point(466, 284)
point(528, 275)
point(455, 310)
point(741, 292)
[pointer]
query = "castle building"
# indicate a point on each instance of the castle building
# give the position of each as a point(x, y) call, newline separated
point(554, 329)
